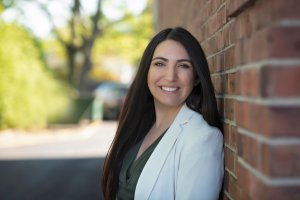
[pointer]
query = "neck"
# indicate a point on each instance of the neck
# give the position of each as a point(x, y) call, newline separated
point(165, 116)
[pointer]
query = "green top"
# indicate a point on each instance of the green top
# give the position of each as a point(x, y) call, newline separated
point(132, 169)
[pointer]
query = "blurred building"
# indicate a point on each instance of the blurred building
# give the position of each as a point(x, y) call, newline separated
point(253, 50)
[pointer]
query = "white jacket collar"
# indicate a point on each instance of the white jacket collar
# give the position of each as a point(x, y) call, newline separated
point(151, 171)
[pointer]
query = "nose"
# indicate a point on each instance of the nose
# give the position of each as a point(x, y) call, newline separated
point(171, 73)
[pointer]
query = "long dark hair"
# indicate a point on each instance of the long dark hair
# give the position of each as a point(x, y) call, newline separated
point(138, 114)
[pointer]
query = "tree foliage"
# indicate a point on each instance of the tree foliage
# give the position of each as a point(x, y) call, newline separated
point(4, 4)
point(126, 39)
point(78, 38)
point(29, 95)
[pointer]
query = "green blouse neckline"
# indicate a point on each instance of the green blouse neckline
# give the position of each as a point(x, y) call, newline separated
point(132, 169)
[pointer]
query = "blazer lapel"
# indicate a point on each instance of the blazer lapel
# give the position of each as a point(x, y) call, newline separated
point(156, 161)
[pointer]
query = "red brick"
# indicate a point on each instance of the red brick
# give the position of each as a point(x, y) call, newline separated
point(203, 13)
point(213, 68)
point(212, 24)
point(203, 32)
point(211, 64)
point(245, 182)
point(244, 25)
point(271, 121)
point(229, 109)
point(230, 86)
point(233, 137)
point(226, 180)
point(231, 186)
point(282, 192)
point(234, 31)
point(269, 12)
point(219, 62)
point(283, 120)
point(216, 63)
point(237, 86)
point(249, 150)
point(249, 82)
point(220, 40)
point(246, 21)
point(277, 42)
point(258, 46)
point(286, 157)
point(230, 132)
point(240, 52)
point(280, 81)
point(217, 20)
point(230, 160)
point(226, 36)
point(253, 188)
point(226, 130)
point(218, 82)
point(229, 58)
point(206, 48)
point(220, 104)
point(212, 43)
point(285, 9)
point(234, 188)
point(221, 17)
point(225, 197)
point(284, 42)
point(262, 16)
point(235, 5)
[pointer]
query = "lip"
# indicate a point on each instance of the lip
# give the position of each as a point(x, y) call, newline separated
point(169, 88)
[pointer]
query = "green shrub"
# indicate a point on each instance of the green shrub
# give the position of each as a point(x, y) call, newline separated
point(29, 95)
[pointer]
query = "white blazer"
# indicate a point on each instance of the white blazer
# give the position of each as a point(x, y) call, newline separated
point(187, 164)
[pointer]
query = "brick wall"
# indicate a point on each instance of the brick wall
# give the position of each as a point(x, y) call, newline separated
point(253, 50)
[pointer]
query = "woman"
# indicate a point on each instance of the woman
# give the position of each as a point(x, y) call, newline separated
point(168, 143)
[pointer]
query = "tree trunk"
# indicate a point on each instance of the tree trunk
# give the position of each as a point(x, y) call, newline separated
point(71, 53)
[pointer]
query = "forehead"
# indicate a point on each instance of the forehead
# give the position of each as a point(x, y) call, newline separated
point(171, 49)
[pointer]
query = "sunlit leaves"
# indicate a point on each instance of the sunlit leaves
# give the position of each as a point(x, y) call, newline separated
point(29, 94)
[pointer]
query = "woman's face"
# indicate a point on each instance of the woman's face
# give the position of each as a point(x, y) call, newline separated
point(171, 75)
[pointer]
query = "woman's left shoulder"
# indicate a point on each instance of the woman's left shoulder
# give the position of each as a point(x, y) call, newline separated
point(197, 121)
point(197, 129)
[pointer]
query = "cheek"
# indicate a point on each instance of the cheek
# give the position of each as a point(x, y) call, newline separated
point(149, 77)
point(152, 77)
point(189, 80)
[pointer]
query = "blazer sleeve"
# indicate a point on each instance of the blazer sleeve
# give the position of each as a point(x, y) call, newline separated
point(201, 166)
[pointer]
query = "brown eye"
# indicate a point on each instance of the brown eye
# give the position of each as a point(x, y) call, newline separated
point(184, 66)
point(159, 64)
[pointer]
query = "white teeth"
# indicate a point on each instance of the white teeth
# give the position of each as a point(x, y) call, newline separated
point(168, 89)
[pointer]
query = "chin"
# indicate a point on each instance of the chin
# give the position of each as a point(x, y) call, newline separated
point(171, 104)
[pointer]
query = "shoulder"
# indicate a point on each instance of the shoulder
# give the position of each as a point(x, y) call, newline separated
point(197, 133)
point(196, 123)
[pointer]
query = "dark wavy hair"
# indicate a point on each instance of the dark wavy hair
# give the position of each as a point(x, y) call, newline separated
point(138, 114)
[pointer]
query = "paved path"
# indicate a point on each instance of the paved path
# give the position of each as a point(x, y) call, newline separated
point(59, 164)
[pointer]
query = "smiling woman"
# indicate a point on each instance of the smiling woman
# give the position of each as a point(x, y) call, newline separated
point(170, 77)
point(169, 142)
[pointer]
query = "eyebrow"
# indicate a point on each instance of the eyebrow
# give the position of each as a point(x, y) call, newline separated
point(165, 59)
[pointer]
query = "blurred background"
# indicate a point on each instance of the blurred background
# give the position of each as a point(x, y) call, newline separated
point(65, 68)
point(56, 54)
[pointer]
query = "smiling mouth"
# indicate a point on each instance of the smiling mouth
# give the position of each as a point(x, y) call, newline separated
point(169, 89)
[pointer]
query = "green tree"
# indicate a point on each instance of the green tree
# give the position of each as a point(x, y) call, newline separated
point(126, 39)
point(29, 95)
point(4, 4)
